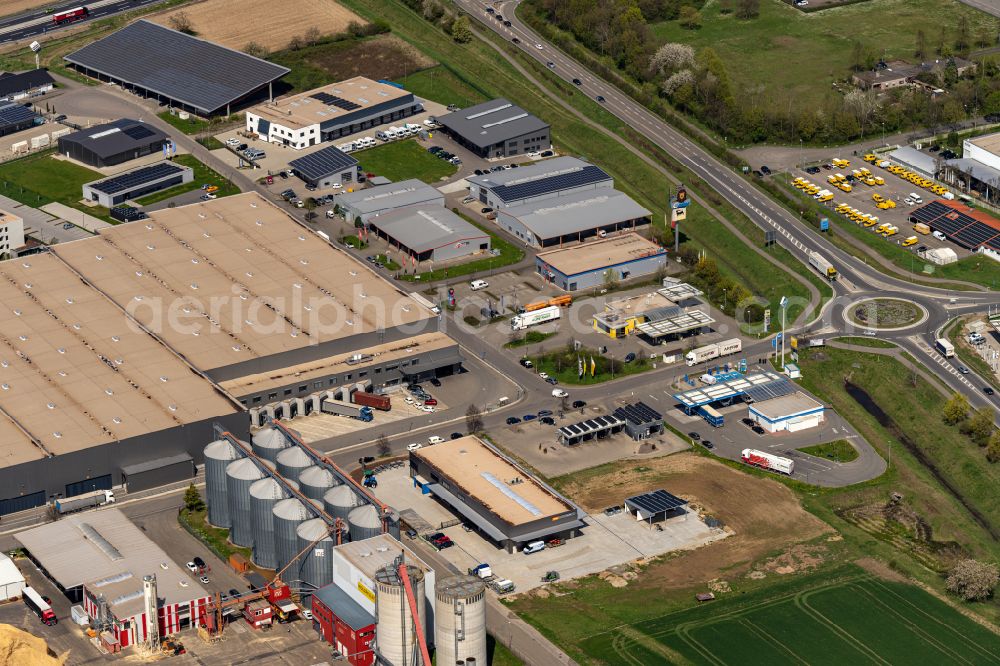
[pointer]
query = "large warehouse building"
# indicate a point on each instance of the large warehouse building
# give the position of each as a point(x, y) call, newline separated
point(497, 129)
point(573, 217)
point(109, 192)
point(120, 344)
point(550, 179)
point(185, 72)
point(331, 112)
point(493, 493)
point(15, 117)
point(102, 557)
point(429, 233)
point(788, 413)
point(112, 143)
point(587, 265)
point(365, 204)
point(34, 82)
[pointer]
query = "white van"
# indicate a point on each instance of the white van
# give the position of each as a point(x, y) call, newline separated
point(534, 547)
point(916, 198)
point(382, 135)
point(940, 236)
point(476, 285)
point(434, 439)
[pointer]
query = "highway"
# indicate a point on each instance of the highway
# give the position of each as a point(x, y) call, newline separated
point(39, 22)
point(858, 279)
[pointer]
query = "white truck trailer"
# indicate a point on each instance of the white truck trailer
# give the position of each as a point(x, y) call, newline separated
point(535, 317)
point(825, 268)
point(768, 461)
point(81, 502)
point(425, 302)
point(708, 352)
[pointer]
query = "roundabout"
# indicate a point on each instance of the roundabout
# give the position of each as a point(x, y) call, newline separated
point(885, 314)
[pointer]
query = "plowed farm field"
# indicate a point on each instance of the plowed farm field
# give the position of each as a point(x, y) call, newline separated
point(236, 23)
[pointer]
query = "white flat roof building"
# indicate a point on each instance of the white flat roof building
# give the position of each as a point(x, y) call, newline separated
point(11, 233)
point(788, 413)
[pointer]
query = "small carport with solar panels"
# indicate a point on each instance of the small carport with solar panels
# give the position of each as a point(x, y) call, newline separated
point(641, 420)
point(655, 506)
point(752, 387)
point(118, 189)
point(596, 428)
point(326, 167)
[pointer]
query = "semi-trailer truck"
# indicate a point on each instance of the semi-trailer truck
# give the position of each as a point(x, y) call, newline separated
point(708, 352)
point(524, 320)
point(945, 347)
point(425, 302)
point(768, 461)
point(39, 606)
point(340, 408)
point(373, 400)
point(81, 502)
point(825, 268)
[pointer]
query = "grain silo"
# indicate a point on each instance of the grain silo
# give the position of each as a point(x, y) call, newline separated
point(364, 522)
point(267, 442)
point(292, 461)
point(395, 632)
point(288, 515)
point(340, 501)
point(240, 475)
point(314, 481)
point(218, 455)
point(460, 620)
point(315, 567)
point(264, 495)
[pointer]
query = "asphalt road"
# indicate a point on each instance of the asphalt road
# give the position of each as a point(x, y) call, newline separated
point(32, 24)
point(858, 279)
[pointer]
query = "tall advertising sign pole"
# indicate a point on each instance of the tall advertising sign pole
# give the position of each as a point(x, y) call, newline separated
point(784, 306)
point(678, 212)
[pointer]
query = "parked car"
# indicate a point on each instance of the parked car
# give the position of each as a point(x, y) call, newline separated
point(552, 380)
point(192, 567)
point(414, 446)
point(766, 171)
point(707, 444)
point(544, 412)
point(629, 357)
point(578, 404)
point(486, 209)
point(525, 362)
point(528, 417)
point(204, 580)
point(476, 285)
point(456, 435)
point(749, 423)
point(757, 429)
point(694, 436)
point(547, 420)
point(513, 420)
point(559, 393)
point(435, 381)
point(546, 153)
point(431, 401)
point(435, 439)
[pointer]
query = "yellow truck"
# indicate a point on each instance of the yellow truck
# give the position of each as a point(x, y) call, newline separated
point(912, 240)
point(877, 198)
point(890, 231)
point(882, 227)
point(823, 198)
point(844, 187)
point(871, 158)
point(921, 228)
point(839, 163)
point(879, 180)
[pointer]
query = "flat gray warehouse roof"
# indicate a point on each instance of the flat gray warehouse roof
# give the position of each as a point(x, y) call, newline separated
point(422, 228)
point(195, 72)
point(577, 211)
point(553, 175)
point(115, 137)
point(492, 122)
point(395, 195)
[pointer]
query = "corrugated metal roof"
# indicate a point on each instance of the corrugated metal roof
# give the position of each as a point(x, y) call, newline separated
point(348, 610)
point(422, 228)
point(203, 75)
point(492, 122)
point(576, 212)
point(409, 192)
point(115, 137)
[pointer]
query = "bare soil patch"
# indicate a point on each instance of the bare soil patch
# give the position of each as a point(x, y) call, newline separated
point(11, 7)
point(764, 515)
point(384, 57)
point(231, 22)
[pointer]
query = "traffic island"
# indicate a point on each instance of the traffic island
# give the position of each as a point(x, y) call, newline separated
point(885, 313)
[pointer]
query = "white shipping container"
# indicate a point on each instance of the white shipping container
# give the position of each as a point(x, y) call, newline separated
point(40, 141)
point(733, 346)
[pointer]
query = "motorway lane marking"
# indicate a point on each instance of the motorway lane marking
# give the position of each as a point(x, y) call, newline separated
point(944, 363)
point(654, 397)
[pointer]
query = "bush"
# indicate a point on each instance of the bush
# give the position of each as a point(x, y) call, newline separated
point(973, 580)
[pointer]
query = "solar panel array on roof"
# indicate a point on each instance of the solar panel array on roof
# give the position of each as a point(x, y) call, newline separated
point(587, 175)
point(638, 413)
point(774, 389)
point(15, 114)
point(656, 502)
point(960, 228)
point(185, 69)
point(138, 132)
point(133, 179)
point(323, 163)
point(333, 100)
point(726, 390)
point(591, 427)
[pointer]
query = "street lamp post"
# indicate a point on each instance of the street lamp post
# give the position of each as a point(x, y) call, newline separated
point(783, 304)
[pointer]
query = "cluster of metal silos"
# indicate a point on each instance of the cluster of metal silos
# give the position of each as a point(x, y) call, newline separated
point(264, 495)
point(339, 501)
point(292, 461)
point(314, 481)
point(240, 475)
point(315, 564)
point(218, 455)
point(460, 621)
point(395, 630)
point(268, 443)
point(364, 522)
point(288, 515)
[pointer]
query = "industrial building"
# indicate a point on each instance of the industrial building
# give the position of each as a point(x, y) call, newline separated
point(87, 310)
point(333, 111)
point(493, 493)
point(15, 117)
point(32, 83)
point(112, 143)
point(11, 234)
point(639, 421)
point(343, 623)
point(122, 187)
point(787, 413)
point(977, 172)
point(101, 559)
point(573, 217)
point(497, 128)
point(365, 204)
point(429, 233)
point(188, 73)
point(915, 160)
point(549, 179)
point(655, 506)
point(654, 315)
point(588, 265)
point(11, 579)
point(326, 167)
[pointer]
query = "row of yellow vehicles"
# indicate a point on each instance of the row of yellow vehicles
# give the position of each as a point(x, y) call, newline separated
point(821, 195)
point(883, 203)
point(906, 174)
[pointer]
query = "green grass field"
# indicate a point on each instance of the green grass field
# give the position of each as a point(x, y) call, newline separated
point(875, 343)
point(811, 620)
point(399, 160)
point(202, 175)
point(441, 85)
point(562, 364)
point(41, 179)
point(839, 450)
point(194, 125)
point(791, 56)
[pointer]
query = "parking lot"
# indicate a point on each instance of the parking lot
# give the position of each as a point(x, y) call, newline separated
point(607, 541)
point(860, 198)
